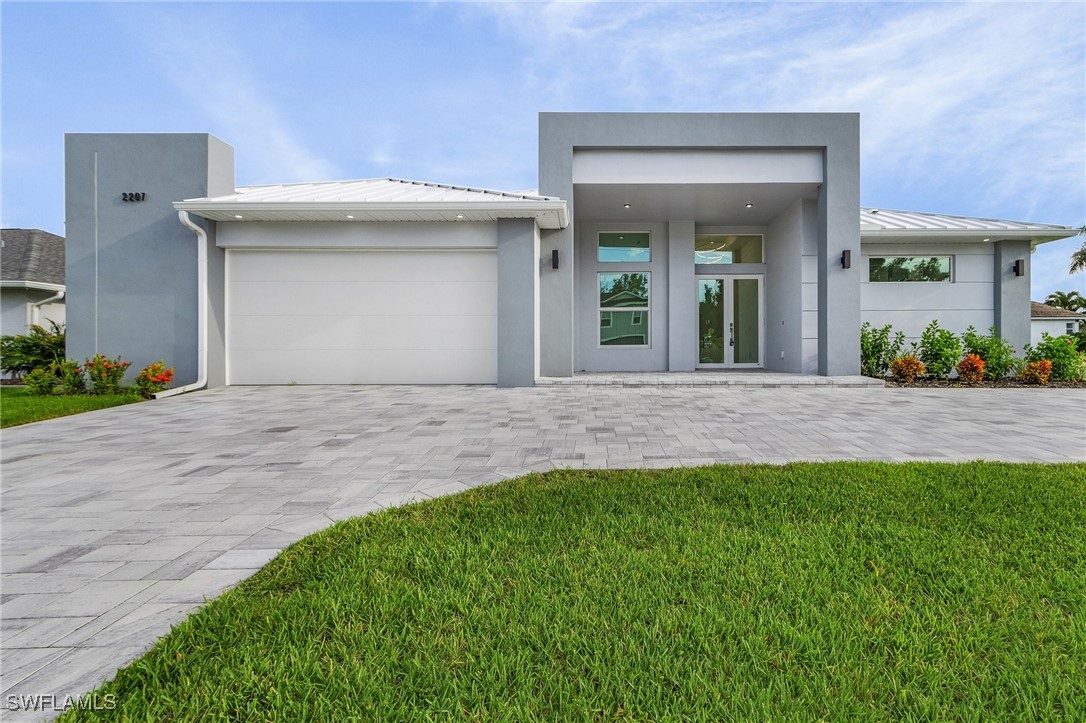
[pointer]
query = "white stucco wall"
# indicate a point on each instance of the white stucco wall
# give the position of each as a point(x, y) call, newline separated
point(967, 300)
point(15, 310)
point(1052, 327)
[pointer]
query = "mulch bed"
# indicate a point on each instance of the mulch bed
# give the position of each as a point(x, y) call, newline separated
point(1009, 382)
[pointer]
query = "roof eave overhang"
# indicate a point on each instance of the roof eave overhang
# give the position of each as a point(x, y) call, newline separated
point(40, 285)
point(548, 214)
point(1035, 236)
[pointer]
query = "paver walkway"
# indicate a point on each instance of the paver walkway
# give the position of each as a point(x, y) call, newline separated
point(117, 523)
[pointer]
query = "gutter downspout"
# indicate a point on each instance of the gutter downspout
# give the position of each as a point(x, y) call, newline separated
point(201, 354)
point(35, 307)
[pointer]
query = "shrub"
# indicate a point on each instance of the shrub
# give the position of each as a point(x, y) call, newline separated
point(1037, 372)
point(1080, 338)
point(36, 349)
point(1078, 372)
point(41, 381)
point(940, 350)
point(971, 369)
point(877, 350)
point(1060, 350)
point(153, 378)
point(69, 377)
point(996, 352)
point(1018, 365)
point(907, 368)
point(105, 374)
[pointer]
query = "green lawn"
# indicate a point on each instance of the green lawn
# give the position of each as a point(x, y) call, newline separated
point(18, 406)
point(809, 592)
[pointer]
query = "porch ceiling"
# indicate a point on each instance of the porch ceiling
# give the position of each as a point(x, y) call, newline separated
point(706, 203)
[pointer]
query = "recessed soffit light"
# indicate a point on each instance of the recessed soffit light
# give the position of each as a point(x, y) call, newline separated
point(350, 216)
point(625, 205)
point(238, 215)
point(460, 216)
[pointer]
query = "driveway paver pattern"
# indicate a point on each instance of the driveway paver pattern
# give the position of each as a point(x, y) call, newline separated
point(118, 523)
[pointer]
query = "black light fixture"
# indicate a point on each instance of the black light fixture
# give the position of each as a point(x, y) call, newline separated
point(554, 259)
point(1019, 267)
point(846, 259)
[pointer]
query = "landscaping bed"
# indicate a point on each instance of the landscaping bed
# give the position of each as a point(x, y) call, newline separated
point(1007, 383)
point(839, 591)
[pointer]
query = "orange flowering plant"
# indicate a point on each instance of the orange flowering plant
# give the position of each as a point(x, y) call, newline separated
point(1037, 372)
point(971, 369)
point(907, 368)
point(104, 375)
point(153, 378)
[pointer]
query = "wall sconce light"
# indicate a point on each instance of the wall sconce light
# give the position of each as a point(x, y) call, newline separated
point(846, 259)
point(554, 259)
point(1019, 268)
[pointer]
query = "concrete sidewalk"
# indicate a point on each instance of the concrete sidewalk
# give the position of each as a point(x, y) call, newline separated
point(117, 523)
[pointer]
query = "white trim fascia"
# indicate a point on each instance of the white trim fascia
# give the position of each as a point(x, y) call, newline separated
point(1037, 235)
point(41, 285)
point(536, 208)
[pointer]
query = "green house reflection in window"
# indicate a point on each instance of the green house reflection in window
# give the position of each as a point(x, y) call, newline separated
point(909, 268)
point(625, 247)
point(624, 309)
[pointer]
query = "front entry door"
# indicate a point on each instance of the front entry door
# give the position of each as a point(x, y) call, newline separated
point(730, 321)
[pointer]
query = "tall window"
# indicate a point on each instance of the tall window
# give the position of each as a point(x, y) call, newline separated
point(624, 309)
point(909, 268)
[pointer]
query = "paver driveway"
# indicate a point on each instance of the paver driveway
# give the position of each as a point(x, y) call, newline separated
point(119, 522)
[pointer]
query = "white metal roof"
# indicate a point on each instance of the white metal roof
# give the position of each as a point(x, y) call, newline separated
point(880, 224)
point(376, 199)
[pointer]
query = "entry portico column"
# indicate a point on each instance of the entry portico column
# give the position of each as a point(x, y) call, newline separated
point(681, 311)
point(839, 231)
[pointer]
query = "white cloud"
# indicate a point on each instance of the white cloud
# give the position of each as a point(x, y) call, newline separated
point(213, 74)
point(991, 91)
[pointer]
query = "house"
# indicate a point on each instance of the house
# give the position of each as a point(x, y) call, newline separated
point(1053, 320)
point(654, 242)
point(31, 279)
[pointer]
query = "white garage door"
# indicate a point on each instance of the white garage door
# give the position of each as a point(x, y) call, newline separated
point(361, 317)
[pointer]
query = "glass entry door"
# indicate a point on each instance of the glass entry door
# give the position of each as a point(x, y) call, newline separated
point(730, 320)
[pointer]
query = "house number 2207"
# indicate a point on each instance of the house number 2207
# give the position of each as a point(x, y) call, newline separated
point(133, 196)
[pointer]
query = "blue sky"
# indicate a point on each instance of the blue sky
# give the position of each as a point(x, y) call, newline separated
point(966, 108)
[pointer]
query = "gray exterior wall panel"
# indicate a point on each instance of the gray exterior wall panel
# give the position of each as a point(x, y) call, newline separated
point(783, 305)
point(682, 332)
point(518, 273)
point(1011, 302)
point(131, 267)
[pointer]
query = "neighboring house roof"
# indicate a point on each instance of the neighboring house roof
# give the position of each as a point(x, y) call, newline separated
point(30, 257)
point(1044, 311)
point(376, 199)
point(880, 224)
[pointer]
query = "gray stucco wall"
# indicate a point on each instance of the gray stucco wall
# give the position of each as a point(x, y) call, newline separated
point(783, 306)
point(1011, 302)
point(518, 274)
point(837, 134)
point(131, 267)
point(682, 324)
